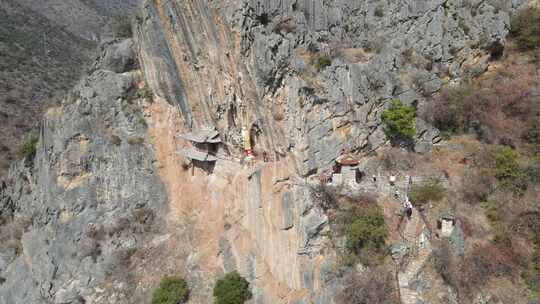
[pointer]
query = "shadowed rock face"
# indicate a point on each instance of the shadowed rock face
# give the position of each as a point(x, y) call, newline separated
point(91, 198)
point(44, 47)
point(107, 207)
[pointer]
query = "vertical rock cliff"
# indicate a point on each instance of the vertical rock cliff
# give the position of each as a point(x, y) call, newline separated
point(87, 200)
point(229, 64)
point(220, 59)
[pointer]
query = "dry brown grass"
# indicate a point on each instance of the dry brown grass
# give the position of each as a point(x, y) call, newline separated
point(287, 25)
point(355, 55)
point(477, 185)
point(135, 140)
point(278, 115)
point(115, 140)
point(373, 287)
point(485, 262)
point(11, 231)
point(498, 226)
point(395, 159)
point(469, 165)
point(468, 275)
point(497, 106)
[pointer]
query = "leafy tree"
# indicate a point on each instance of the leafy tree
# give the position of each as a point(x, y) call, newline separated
point(508, 172)
point(367, 232)
point(171, 290)
point(400, 121)
point(232, 289)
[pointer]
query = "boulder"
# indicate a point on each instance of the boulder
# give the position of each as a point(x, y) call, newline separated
point(118, 56)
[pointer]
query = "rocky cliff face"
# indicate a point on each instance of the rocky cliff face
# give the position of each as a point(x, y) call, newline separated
point(108, 206)
point(44, 47)
point(91, 196)
point(262, 57)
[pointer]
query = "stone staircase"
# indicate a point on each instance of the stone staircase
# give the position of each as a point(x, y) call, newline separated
point(420, 250)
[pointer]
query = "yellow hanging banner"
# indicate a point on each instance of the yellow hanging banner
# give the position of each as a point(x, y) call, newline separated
point(247, 138)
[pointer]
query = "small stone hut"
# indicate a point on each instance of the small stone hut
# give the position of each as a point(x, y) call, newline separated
point(346, 169)
point(446, 223)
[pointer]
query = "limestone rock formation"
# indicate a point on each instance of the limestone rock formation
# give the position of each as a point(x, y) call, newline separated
point(264, 57)
point(90, 198)
point(44, 48)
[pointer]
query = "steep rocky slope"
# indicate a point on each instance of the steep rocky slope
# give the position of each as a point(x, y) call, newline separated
point(93, 187)
point(108, 206)
point(44, 47)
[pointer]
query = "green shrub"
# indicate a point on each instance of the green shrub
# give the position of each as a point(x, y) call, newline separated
point(366, 234)
point(171, 290)
point(525, 27)
point(463, 25)
point(145, 93)
point(533, 169)
point(532, 279)
point(531, 133)
point(379, 11)
point(28, 148)
point(322, 62)
point(536, 257)
point(232, 289)
point(494, 214)
point(502, 235)
point(142, 121)
point(430, 191)
point(400, 121)
point(532, 276)
point(508, 172)
point(121, 26)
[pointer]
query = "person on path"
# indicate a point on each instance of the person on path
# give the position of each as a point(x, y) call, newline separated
point(408, 207)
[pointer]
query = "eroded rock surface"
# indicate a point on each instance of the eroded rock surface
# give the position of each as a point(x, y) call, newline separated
point(218, 60)
point(45, 46)
point(91, 198)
